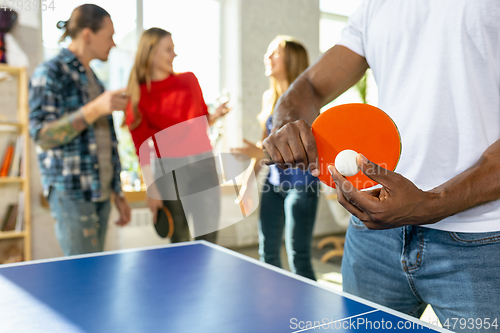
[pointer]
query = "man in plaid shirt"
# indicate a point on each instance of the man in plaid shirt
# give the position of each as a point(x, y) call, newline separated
point(71, 123)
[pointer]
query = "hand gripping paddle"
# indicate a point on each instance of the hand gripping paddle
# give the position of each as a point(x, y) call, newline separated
point(360, 127)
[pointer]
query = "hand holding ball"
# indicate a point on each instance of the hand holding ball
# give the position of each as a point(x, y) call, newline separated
point(346, 163)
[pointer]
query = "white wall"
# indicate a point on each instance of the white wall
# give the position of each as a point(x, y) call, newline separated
point(248, 26)
point(261, 22)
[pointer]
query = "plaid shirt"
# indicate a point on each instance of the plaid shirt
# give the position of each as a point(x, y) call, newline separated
point(59, 87)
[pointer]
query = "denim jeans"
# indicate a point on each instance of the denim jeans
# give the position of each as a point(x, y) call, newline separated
point(406, 268)
point(80, 225)
point(292, 210)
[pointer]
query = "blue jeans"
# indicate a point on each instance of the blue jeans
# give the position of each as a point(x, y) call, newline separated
point(407, 268)
point(80, 225)
point(295, 211)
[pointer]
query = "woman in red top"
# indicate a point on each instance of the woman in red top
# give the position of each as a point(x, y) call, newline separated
point(168, 118)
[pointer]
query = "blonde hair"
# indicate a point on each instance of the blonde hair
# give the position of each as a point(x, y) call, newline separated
point(296, 61)
point(141, 71)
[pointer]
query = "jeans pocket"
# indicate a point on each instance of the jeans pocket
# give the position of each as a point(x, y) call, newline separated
point(474, 238)
point(357, 224)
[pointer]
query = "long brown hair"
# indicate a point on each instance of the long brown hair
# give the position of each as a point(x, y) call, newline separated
point(296, 61)
point(141, 71)
point(84, 16)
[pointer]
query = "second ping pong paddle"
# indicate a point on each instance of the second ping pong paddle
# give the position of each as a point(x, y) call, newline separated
point(360, 127)
point(164, 223)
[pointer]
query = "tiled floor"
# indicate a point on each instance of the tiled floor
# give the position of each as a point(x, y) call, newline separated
point(326, 273)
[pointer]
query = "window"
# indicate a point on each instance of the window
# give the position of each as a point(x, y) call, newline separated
point(339, 7)
point(334, 17)
point(330, 28)
point(195, 26)
point(121, 19)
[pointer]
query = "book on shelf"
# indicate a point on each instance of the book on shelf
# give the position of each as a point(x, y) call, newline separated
point(12, 160)
point(19, 225)
point(22, 157)
point(8, 212)
point(10, 217)
point(16, 159)
point(7, 159)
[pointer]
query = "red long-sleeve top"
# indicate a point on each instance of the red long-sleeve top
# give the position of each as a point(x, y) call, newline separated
point(177, 100)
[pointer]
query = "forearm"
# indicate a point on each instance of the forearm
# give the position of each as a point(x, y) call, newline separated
point(300, 101)
point(475, 186)
point(149, 180)
point(335, 72)
point(91, 113)
point(62, 131)
point(66, 128)
point(212, 118)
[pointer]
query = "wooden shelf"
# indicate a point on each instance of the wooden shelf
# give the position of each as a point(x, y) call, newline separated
point(11, 123)
point(11, 180)
point(135, 196)
point(10, 69)
point(140, 196)
point(19, 124)
point(12, 234)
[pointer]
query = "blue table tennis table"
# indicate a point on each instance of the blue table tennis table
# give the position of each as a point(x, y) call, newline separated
point(180, 288)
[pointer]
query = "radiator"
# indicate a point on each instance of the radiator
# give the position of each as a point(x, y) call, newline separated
point(140, 232)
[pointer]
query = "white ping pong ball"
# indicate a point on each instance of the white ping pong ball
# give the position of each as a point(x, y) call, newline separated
point(346, 163)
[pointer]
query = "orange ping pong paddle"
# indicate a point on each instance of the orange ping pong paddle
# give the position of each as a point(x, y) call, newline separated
point(360, 127)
